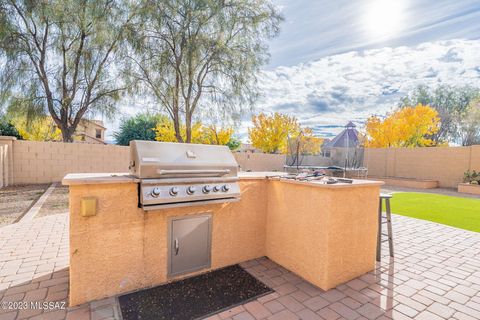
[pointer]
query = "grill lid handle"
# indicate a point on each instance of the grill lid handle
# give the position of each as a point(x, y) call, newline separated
point(218, 173)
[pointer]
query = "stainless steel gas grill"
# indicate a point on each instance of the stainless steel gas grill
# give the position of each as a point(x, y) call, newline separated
point(180, 174)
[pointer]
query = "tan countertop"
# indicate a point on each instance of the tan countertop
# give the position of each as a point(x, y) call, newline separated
point(98, 178)
point(123, 177)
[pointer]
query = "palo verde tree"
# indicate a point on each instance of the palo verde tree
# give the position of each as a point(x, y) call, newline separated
point(60, 55)
point(200, 54)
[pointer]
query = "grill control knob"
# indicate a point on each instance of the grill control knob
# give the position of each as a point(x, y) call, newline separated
point(225, 187)
point(191, 190)
point(155, 192)
point(206, 189)
point(173, 191)
point(216, 188)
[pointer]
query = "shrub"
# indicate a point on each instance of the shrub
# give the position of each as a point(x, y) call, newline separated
point(471, 177)
point(8, 129)
point(139, 127)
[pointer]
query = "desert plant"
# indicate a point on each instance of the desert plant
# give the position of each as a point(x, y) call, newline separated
point(471, 177)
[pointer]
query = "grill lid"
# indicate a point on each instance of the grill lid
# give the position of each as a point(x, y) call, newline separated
point(157, 160)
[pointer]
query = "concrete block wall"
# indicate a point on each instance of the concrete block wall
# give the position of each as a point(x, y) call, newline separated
point(44, 162)
point(260, 161)
point(26, 162)
point(444, 164)
point(33, 162)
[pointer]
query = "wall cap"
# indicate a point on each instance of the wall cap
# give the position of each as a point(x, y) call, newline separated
point(8, 138)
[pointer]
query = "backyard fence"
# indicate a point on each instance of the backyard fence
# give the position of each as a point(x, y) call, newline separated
point(26, 162)
point(45, 162)
point(443, 164)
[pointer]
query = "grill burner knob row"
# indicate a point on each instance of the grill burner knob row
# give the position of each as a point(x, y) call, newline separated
point(225, 188)
point(173, 191)
point(216, 188)
point(206, 189)
point(155, 192)
point(191, 190)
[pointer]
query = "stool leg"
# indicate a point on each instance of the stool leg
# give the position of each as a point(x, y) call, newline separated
point(389, 226)
point(379, 234)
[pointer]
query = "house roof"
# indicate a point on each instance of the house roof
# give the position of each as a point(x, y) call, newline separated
point(350, 124)
point(347, 138)
point(98, 123)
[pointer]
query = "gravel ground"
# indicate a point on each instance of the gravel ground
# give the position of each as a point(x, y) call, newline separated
point(16, 200)
point(57, 202)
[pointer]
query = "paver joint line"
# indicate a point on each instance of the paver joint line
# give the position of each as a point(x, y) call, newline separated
point(32, 212)
point(434, 275)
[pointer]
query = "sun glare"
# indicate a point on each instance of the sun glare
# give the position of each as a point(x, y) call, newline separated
point(384, 18)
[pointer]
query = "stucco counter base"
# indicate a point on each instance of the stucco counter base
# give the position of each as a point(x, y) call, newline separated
point(325, 234)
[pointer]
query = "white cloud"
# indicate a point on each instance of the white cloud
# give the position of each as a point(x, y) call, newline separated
point(328, 92)
point(325, 94)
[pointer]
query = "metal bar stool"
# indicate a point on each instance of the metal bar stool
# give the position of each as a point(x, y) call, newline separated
point(382, 220)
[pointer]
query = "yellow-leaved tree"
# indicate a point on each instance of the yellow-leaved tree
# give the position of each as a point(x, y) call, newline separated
point(406, 127)
point(270, 132)
point(280, 133)
point(304, 142)
point(165, 131)
point(217, 135)
point(38, 129)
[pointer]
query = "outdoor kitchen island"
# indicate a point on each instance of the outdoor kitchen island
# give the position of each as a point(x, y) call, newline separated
point(326, 234)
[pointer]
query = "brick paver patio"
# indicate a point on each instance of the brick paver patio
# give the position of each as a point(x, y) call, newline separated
point(434, 275)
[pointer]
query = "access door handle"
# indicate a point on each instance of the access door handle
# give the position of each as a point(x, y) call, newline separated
point(176, 246)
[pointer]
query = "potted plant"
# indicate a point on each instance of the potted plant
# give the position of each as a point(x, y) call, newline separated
point(471, 183)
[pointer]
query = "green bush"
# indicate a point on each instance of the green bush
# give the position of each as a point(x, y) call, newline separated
point(139, 127)
point(8, 129)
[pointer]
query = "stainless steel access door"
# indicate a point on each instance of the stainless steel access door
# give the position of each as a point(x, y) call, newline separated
point(189, 243)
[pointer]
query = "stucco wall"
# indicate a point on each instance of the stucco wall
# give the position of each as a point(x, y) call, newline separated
point(445, 164)
point(328, 240)
point(122, 248)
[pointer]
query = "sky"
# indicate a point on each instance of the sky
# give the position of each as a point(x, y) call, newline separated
point(342, 60)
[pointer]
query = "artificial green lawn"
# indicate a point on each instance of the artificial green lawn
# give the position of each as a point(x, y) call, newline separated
point(457, 212)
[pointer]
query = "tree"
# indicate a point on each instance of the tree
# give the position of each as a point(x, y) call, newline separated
point(215, 135)
point(60, 56)
point(406, 127)
point(451, 104)
point(8, 129)
point(202, 54)
point(280, 133)
point(139, 127)
point(234, 144)
point(302, 143)
point(165, 131)
point(470, 125)
point(39, 129)
point(270, 132)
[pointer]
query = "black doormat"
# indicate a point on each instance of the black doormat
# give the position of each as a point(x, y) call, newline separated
point(194, 297)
